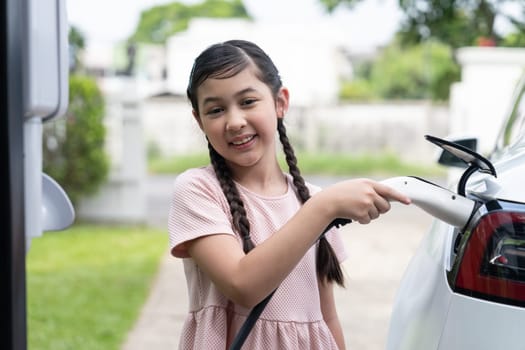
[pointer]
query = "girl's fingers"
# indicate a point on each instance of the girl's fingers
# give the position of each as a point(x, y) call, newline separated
point(391, 194)
point(381, 204)
point(373, 213)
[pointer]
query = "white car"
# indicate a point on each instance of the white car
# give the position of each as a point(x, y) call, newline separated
point(465, 286)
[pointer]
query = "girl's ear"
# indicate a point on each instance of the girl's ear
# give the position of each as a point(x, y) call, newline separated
point(197, 118)
point(282, 102)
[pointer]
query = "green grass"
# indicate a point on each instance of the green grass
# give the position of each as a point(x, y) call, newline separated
point(86, 285)
point(385, 164)
point(316, 164)
point(176, 165)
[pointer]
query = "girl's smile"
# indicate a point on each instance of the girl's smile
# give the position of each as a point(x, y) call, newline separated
point(243, 142)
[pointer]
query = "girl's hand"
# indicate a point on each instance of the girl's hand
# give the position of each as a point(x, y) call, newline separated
point(361, 200)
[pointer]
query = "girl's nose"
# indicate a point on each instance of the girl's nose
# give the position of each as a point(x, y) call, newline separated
point(236, 120)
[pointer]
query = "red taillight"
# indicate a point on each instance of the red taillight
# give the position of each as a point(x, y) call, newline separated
point(492, 265)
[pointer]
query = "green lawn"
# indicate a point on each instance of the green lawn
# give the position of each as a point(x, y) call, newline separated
point(86, 285)
point(385, 164)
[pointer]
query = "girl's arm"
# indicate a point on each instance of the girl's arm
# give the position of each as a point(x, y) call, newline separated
point(247, 279)
point(326, 294)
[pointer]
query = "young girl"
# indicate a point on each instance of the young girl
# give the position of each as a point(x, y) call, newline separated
point(245, 228)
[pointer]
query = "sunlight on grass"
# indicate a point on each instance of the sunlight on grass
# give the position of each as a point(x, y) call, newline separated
point(86, 285)
point(316, 164)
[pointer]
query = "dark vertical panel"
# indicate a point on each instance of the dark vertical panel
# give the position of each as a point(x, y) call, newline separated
point(13, 327)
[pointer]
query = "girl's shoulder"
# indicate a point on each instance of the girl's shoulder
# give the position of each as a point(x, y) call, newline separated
point(196, 174)
point(197, 179)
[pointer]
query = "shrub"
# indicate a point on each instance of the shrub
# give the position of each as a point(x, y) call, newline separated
point(358, 89)
point(514, 40)
point(73, 149)
point(423, 71)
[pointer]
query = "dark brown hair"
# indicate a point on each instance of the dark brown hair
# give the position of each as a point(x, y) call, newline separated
point(224, 60)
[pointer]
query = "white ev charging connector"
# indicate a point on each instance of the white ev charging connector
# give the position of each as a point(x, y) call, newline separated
point(437, 201)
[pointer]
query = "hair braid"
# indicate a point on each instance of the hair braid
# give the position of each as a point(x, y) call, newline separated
point(291, 160)
point(328, 267)
point(240, 219)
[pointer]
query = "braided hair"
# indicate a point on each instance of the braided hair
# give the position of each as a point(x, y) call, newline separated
point(225, 60)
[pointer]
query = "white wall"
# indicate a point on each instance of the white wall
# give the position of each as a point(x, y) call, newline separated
point(169, 125)
point(308, 58)
point(480, 101)
point(361, 128)
point(339, 128)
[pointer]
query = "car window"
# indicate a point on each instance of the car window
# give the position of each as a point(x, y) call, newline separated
point(514, 125)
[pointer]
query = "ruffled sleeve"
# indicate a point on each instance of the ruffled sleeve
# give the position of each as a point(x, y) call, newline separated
point(198, 208)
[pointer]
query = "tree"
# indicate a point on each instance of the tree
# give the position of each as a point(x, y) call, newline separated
point(455, 22)
point(73, 149)
point(423, 71)
point(76, 45)
point(160, 22)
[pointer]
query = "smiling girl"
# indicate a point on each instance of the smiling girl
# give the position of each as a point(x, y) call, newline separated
point(245, 228)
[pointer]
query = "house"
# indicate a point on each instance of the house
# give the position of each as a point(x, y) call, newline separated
point(311, 59)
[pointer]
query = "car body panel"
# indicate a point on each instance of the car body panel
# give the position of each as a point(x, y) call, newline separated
point(467, 317)
point(507, 185)
point(422, 301)
point(427, 314)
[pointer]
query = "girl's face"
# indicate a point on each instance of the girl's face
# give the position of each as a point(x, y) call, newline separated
point(239, 117)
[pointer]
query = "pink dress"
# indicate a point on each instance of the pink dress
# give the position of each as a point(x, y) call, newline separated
point(292, 319)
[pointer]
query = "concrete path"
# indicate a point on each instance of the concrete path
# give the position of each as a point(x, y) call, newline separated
point(378, 254)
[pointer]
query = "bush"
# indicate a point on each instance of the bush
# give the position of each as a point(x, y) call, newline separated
point(423, 71)
point(73, 149)
point(357, 90)
point(514, 40)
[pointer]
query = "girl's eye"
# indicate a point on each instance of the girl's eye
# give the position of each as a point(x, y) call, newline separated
point(214, 111)
point(249, 101)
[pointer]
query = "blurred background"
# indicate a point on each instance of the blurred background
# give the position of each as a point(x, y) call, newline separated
point(367, 78)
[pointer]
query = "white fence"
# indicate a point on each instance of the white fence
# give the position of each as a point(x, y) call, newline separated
point(398, 128)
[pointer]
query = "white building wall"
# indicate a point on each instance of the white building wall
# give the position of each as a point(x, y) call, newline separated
point(372, 128)
point(169, 126)
point(308, 58)
point(480, 101)
point(353, 128)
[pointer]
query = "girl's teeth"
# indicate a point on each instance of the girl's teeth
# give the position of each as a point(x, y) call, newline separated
point(242, 141)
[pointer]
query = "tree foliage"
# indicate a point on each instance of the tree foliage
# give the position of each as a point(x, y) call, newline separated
point(73, 149)
point(423, 71)
point(76, 45)
point(514, 40)
point(455, 22)
point(160, 22)
point(331, 5)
